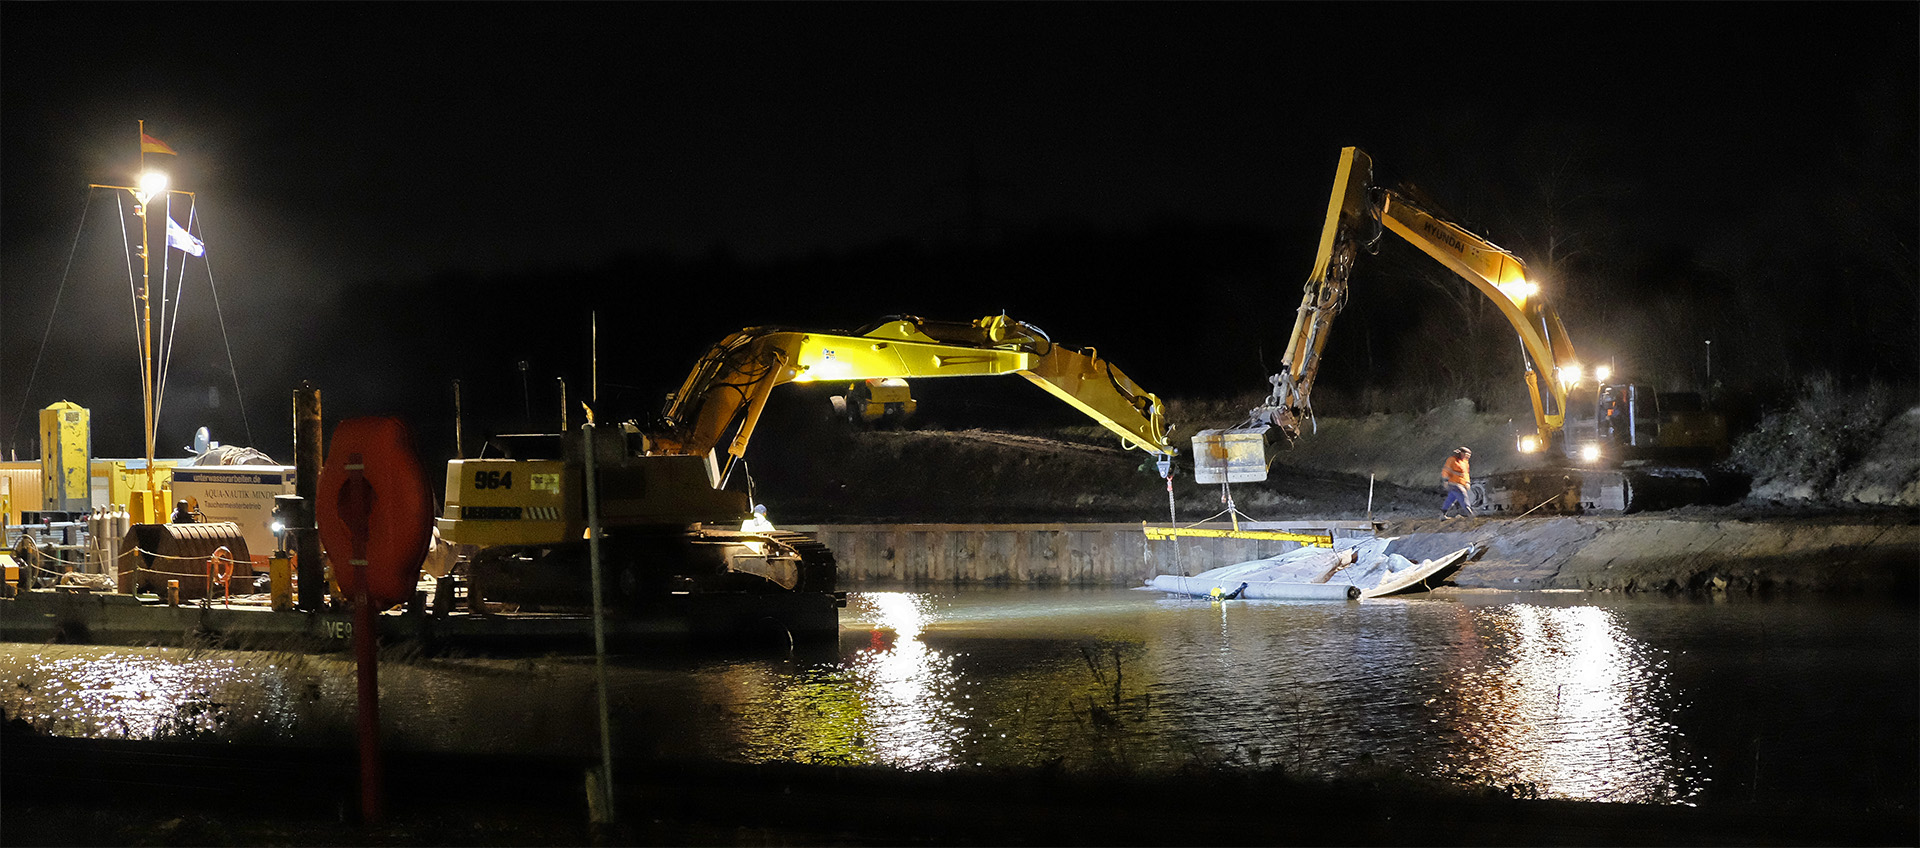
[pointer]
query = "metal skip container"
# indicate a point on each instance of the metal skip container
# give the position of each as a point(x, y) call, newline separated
point(1230, 456)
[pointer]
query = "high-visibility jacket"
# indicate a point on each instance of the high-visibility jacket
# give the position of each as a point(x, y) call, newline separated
point(1456, 471)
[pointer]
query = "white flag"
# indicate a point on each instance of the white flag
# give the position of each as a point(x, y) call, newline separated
point(183, 240)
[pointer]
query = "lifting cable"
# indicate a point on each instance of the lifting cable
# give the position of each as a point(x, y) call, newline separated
point(26, 396)
point(163, 345)
point(232, 368)
point(170, 320)
point(133, 286)
point(173, 323)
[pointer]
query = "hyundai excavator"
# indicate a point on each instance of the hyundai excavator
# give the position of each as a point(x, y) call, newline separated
point(1583, 425)
point(669, 525)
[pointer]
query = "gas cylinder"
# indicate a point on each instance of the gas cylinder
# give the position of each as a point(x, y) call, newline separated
point(97, 539)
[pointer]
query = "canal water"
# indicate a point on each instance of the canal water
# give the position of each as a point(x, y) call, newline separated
point(1555, 694)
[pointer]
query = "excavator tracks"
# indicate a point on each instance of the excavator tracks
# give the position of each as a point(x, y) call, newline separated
point(640, 568)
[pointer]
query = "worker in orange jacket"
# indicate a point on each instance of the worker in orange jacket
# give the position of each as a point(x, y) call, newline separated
point(1457, 479)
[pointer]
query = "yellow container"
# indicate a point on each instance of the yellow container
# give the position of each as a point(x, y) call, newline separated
point(66, 440)
point(280, 582)
point(130, 486)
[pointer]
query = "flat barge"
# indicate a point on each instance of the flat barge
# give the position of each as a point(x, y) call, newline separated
point(70, 615)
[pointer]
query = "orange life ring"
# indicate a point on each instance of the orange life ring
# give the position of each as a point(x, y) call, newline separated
point(374, 509)
point(221, 557)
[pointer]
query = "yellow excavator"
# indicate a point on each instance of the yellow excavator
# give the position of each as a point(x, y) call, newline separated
point(1583, 424)
point(668, 522)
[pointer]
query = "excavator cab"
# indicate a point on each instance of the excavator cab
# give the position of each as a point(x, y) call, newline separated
point(880, 401)
point(1608, 424)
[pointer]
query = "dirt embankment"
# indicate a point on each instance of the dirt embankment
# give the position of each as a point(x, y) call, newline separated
point(1863, 534)
point(1071, 475)
point(1708, 551)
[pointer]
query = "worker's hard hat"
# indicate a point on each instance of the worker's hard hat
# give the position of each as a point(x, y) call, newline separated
point(1466, 451)
point(760, 509)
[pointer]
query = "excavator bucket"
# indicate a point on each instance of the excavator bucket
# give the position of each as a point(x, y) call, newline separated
point(1230, 456)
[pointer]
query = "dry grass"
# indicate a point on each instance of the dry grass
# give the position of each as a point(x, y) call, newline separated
point(1798, 452)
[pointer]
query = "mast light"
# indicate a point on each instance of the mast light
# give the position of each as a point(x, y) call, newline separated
point(151, 183)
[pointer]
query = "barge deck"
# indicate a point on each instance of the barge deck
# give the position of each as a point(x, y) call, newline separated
point(77, 616)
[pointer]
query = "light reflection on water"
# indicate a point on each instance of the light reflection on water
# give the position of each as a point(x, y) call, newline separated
point(271, 697)
point(911, 717)
point(1572, 705)
point(139, 693)
point(889, 700)
point(1572, 696)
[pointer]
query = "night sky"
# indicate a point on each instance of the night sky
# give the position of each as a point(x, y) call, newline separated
point(394, 195)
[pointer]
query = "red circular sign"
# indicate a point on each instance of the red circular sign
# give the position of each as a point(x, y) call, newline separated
point(374, 509)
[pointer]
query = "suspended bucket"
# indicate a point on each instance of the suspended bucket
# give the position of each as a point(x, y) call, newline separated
point(1230, 456)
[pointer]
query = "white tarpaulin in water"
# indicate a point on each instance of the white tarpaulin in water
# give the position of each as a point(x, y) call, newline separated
point(1257, 590)
point(1360, 564)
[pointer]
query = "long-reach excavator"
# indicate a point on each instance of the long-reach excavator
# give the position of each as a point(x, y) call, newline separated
point(1582, 424)
point(669, 525)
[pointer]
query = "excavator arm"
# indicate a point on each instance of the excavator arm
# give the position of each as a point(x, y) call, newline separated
point(728, 387)
point(1356, 214)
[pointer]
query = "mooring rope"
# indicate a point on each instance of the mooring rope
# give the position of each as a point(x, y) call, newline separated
point(38, 556)
point(43, 555)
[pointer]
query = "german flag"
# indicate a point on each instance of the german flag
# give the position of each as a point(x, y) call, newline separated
point(149, 144)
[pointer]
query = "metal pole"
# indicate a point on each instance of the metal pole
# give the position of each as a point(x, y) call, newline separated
point(595, 355)
point(146, 356)
point(563, 403)
point(1633, 414)
point(146, 312)
point(605, 807)
point(367, 659)
point(356, 505)
point(526, 396)
point(1369, 498)
point(149, 370)
point(457, 450)
point(306, 484)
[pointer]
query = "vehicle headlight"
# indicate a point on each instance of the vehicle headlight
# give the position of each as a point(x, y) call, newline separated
point(1529, 444)
point(1570, 374)
point(1590, 452)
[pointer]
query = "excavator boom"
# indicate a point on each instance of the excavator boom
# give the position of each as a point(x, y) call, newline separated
point(727, 389)
point(1357, 213)
point(668, 527)
point(1579, 424)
